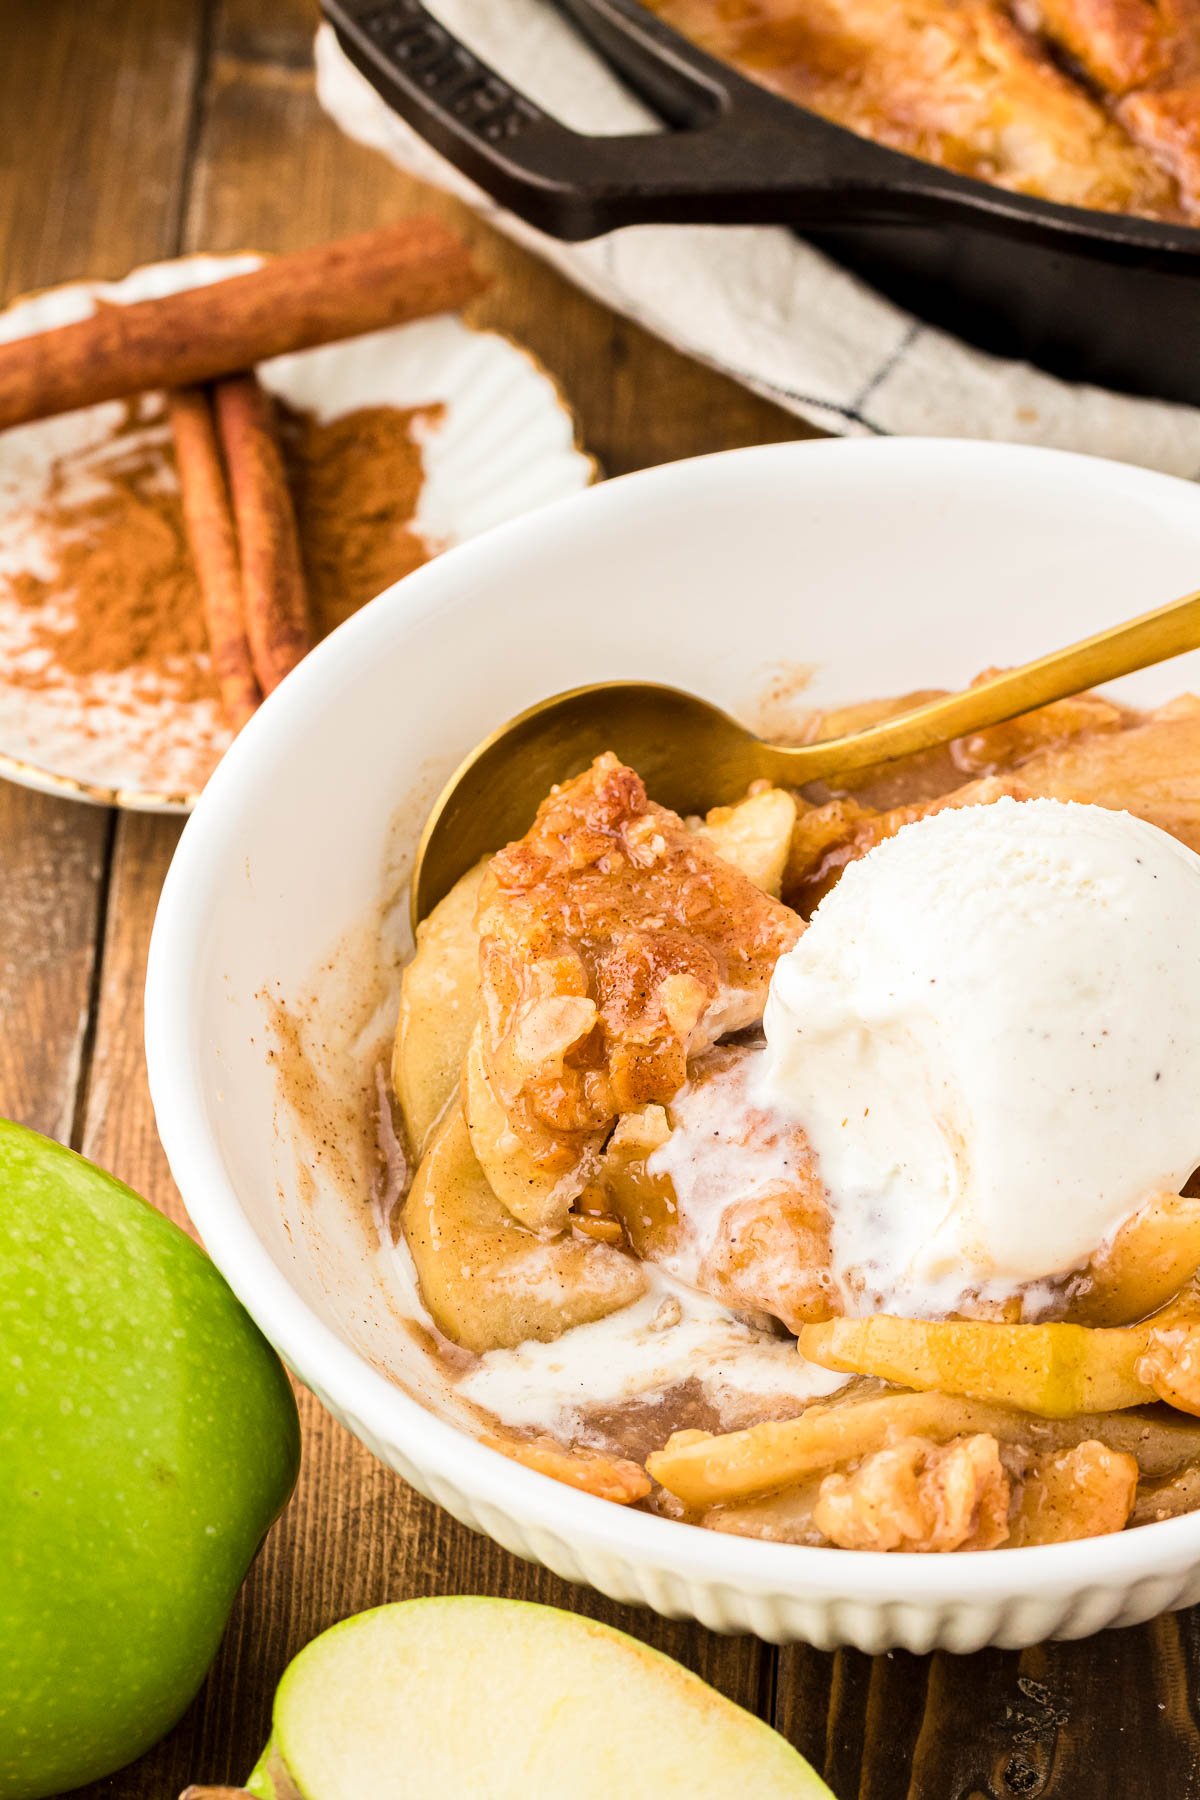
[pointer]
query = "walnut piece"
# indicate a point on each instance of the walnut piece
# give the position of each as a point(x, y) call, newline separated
point(917, 1495)
point(1171, 1366)
point(1087, 1491)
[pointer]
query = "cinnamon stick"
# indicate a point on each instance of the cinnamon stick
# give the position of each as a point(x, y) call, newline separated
point(293, 302)
point(212, 539)
point(273, 590)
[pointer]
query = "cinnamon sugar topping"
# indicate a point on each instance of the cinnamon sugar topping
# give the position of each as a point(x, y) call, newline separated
point(100, 605)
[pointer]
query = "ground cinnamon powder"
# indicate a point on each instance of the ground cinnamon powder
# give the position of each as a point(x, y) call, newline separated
point(122, 594)
point(356, 481)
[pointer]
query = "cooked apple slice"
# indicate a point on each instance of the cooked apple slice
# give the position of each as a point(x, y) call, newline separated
point(953, 1499)
point(532, 1188)
point(439, 1004)
point(1005, 746)
point(1150, 1259)
point(646, 1204)
point(591, 1471)
point(1151, 770)
point(755, 836)
point(462, 1696)
point(704, 1470)
point(488, 1282)
point(1056, 1370)
point(783, 1518)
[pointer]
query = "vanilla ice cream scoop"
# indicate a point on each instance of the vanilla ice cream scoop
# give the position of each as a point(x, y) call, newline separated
point(990, 1033)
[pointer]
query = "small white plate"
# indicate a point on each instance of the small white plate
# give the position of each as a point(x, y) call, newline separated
point(506, 442)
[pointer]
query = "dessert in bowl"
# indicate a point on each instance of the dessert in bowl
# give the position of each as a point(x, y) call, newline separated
point(276, 975)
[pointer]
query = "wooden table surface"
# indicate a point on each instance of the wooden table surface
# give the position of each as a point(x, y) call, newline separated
point(132, 130)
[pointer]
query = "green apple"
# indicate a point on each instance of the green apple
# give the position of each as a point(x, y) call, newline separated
point(148, 1438)
point(501, 1699)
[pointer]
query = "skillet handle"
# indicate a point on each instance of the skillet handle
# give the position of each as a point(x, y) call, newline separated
point(738, 155)
point(726, 166)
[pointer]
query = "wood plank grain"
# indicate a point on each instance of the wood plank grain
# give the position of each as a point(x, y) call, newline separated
point(117, 1128)
point(855, 1717)
point(52, 877)
point(94, 104)
point(1113, 1714)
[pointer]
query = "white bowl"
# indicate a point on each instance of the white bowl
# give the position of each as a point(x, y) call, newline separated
point(885, 565)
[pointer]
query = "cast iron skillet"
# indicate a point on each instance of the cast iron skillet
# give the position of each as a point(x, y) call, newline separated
point(1090, 295)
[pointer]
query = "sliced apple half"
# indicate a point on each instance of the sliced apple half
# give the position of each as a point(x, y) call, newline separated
point(463, 1696)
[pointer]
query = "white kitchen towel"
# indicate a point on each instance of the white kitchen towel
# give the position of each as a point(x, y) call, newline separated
point(755, 301)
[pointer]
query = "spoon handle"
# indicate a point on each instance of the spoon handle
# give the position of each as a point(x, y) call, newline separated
point(1137, 644)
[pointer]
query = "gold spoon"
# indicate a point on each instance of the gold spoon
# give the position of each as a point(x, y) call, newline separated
point(691, 755)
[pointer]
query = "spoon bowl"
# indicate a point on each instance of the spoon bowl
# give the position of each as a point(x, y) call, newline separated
point(689, 753)
point(692, 755)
